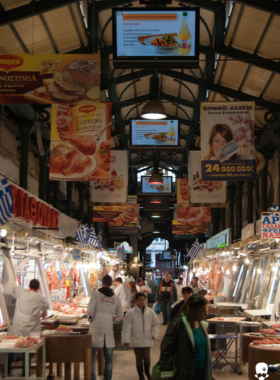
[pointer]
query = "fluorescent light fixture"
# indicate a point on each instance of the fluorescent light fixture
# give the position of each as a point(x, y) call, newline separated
point(259, 271)
point(156, 179)
point(234, 268)
point(247, 261)
point(227, 272)
point(273, 269)
point(237, 248)
point(156, 199)
point(3, 233)
point(154, 110)
point(155, 214)
point(156, 231)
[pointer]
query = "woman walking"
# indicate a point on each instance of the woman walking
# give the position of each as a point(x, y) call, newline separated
point(133, 289)
point(185, 349)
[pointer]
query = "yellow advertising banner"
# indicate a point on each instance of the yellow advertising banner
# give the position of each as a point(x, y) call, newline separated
point(189, 228)
point(80, 142)
point(49, 78)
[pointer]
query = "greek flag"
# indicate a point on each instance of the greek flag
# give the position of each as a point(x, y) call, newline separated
point(6, 201)
point(195, 248)
point(121, 252)
point(81, 235)
point(92, 238)
point(99, 239)
point(274, 208)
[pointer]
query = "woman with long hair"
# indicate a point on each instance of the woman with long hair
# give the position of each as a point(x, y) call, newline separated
point(185, 349)
point(133, 289)
point(220, 135)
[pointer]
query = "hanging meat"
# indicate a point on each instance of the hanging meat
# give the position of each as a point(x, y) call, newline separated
point(49, 275)
point(63, 276)
point(211, 276)
point(93, 278)
point(18, 280)
point(228, 267)
point(52, 277)
point(56, 282)
point(75, 274)
point(217, 277)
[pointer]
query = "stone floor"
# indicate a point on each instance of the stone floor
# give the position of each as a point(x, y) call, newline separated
point(124, 364)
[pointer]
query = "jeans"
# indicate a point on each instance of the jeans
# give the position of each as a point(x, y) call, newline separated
point(11, 359)
point(142, 354)
point(166, 310)
point(108, 354)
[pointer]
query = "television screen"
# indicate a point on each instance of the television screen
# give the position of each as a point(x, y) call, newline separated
point(166, 188)
point(166, 255)
point(155, 133)
point(156, 35)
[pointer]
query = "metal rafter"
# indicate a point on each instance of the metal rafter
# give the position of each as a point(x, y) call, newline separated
point(76, 25)
point(43, 21)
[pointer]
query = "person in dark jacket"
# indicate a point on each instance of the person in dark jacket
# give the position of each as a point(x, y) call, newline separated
point(187, 291)
point(185, 348)
point(166, 295)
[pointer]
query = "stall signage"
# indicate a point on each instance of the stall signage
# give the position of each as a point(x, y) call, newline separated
point(248, 231)
point(270, 225)
point(28, 208)
point(63, 292)
point(220, 240)
point(76, 254)
point(55, 295)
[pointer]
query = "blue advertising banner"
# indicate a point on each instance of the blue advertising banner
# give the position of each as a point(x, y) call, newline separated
point(227, 141)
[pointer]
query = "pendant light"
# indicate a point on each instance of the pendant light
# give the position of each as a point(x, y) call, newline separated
point(156, 199)
point(154, 110)
point(156, 231)
point(156, 177)
point(155, 214)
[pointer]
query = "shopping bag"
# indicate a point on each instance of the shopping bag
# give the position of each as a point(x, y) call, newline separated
point(157, 308)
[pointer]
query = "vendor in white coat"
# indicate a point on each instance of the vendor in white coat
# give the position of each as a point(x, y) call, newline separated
point(124, 293)
point(113, 273)
point(179, 287)
point(103, 310)
point(140, 329)
point(30, 306)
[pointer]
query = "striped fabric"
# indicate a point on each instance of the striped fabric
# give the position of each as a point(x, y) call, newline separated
point(121, 252)
point(92, 238)
point(195, 248)
point(81, 235)
point(6, 201)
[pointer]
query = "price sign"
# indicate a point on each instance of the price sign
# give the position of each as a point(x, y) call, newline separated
point(55, 296)
point(219, 171)
point(63, 292)
point(76, 254)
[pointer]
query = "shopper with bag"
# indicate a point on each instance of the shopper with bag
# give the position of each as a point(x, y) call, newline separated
point(185, 349)
point(140, 328)
point(166, 295)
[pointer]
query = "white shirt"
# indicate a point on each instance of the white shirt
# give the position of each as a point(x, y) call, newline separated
point(179, 292)
point(129, 279)
point(125, 295)
point(27, 313)
point(113, 274)
point(138, 287)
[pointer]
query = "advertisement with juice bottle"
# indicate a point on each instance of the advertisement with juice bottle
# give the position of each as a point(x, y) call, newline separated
point(114, 191)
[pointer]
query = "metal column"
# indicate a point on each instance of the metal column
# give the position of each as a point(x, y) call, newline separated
point(277, 139)
point(25, 129)
point(43, 176)
point(56, 195)
point(239, 189)
point(82, 192)
point(69, 198)
point(250, 189)
point(230, 194)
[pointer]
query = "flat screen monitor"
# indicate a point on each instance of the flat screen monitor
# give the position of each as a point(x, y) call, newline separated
point(156, 37)
point(165, 188)
point(155, 133)
point(166, 255)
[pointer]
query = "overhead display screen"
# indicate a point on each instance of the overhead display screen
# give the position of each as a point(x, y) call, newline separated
point(154, 133)
point(158, 34)
point(165, 188)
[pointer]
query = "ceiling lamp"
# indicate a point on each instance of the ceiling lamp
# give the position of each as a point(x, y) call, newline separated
point(156, 231)
point(156, 199)
point(156, 179)
point(154, 110)
point(156, 214)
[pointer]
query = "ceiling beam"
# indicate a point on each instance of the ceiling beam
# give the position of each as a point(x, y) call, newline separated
point(26, 11)
point(108, 4)
point(131, 102)
point(180, 76)
point(175, 99)
point(132, 76)
point(206, 4)
point(267, 5)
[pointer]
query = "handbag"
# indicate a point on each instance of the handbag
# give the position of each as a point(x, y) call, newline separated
point(158, 309)
point(156, 369)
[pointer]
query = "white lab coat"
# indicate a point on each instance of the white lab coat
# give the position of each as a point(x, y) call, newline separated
point(27, 313)
point(101, 313)
point(138, 288)
point(140, 328)
point(179, 292)
point(125, 295)
point(128, 279)
point(113, 274)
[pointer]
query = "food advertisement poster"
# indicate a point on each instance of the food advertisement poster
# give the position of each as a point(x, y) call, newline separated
point(80, 142)
point(155, 33)
point(195, 215)
point(182, 190)
point(227, 141)
point(189, 228)
point(116, 215)
point(125, 229)
point(165, 188)
point(154, 132)
point(203, 191)
point(49, 78)
point(116, 189)
point(270, 225)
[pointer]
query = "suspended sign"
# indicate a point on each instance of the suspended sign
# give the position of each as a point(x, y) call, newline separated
point(188, 228)
point(227, 141)
point(222, 239)
point(49, 78)
point(270, 225)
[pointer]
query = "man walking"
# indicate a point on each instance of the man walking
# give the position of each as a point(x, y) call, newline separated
point(166, 295)
point(140, 328)
point(124, 293)
point(187, 292)
point(179, 287)
point(103, 310)
point(113, 273)
point(196, 287)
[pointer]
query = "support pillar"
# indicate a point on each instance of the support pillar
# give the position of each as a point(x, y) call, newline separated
point(25, 128)
point(230, 193)
point(44, 172)
point(69, 198)
point(56, 194)
point(82, 188)
point(223, 218)
point(277, 139)
point(250, 191)
point(264, 185)
point(216, 220)
point(239, 191)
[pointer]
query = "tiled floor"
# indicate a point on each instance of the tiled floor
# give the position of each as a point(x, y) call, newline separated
point(125, 369)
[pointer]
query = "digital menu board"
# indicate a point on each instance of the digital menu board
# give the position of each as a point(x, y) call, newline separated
point(156, 133)
point(159, 35)
point(165, 188)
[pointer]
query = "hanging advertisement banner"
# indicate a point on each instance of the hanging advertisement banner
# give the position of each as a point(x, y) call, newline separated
point(227, 141)
point(222, 239)
point(80, 142)
point(116, 215)
point(189, 228)
point(192, 215)
point(125, 229)
point(116, 189)
point(270, 225)
point(182, 190)
point(49, 78)
point(203, 191)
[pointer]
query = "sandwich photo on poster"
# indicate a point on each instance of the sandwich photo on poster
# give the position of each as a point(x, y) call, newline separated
point(182, 190)
point(80, 142)
point(49, 78)
point(116, 189)
point(203, 191)
point(188, 214)
point(227, 141)
point(189, 228)
point(116, 215)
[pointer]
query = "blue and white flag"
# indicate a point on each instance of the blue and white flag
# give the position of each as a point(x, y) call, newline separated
point(81, 235)
point(195, 248)
point(121, 252)
point(274, 208)
point(92, 238)
point(99, 239)
point(6, 201)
